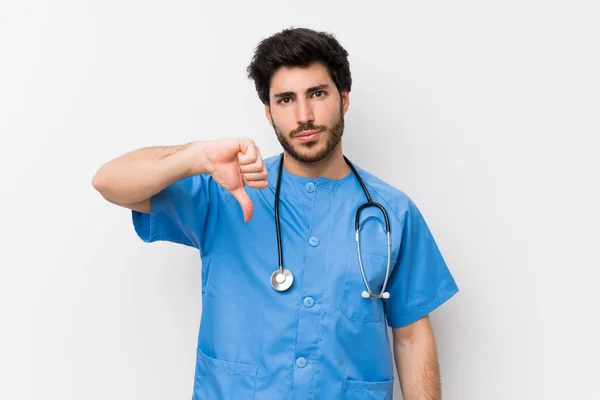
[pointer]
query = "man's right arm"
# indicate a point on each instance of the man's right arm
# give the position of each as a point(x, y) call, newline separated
point(132, 179)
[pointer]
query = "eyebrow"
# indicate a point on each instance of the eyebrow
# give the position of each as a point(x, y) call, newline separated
point(309, 90)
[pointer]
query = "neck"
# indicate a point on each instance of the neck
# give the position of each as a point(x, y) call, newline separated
point(332, 167)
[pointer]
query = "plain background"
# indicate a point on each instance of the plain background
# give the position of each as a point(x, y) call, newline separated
point(485, 113)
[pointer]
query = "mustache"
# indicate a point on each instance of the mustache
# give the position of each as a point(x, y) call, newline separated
point(307, 127)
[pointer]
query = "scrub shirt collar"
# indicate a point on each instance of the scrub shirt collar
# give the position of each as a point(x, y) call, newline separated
point(321, 182)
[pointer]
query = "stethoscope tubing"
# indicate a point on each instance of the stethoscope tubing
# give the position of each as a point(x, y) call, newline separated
point(365, 294)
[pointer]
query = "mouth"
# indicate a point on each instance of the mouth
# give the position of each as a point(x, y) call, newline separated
point(307, 136)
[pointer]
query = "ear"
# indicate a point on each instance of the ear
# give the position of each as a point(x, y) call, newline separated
point(345, 100)
point(268, 114)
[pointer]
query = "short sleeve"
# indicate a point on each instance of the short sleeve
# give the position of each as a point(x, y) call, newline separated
point(421, 280)
point(184, 212)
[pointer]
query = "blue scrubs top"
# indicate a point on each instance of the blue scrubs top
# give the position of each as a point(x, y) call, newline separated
point(320, 339)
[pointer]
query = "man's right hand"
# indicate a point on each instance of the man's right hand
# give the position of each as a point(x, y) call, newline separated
point(234, 163)
point(131, 179)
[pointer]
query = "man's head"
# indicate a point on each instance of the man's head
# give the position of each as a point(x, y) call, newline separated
point(303, 79)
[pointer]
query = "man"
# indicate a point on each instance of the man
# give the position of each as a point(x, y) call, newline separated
point(315, 331)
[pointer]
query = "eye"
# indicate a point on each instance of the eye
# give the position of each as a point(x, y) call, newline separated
point(285, 100)
point(319, 93)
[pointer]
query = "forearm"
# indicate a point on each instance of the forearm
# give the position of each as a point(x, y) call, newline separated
point(138, 175)
point(418, 368)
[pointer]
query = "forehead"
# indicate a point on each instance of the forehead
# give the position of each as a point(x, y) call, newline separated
point(298, 79)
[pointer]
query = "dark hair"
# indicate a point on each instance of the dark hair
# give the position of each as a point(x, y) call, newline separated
point(298, 47)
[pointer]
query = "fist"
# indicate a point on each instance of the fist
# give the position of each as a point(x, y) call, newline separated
point(234, 163)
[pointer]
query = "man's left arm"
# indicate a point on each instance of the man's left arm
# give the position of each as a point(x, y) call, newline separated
point(416, 360)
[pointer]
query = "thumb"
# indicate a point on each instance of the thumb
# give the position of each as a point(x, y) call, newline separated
point(242, 197)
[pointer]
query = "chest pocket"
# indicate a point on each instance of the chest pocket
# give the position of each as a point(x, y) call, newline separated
point(354, 306)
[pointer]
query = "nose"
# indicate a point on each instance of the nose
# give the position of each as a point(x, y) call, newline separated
point(304, 112)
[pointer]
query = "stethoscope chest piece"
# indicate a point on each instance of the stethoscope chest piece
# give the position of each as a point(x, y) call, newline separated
point(282, 281)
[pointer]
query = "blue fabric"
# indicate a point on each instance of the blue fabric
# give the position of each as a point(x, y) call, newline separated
point(320, 339)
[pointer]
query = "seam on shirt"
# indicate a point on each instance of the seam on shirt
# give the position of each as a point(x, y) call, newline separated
point(400, 220)
point(440, 298)
point(204, 252)
point(319, 351)
point(293, 369)
point(385, 199)
point(318, 365)
point(154, 234)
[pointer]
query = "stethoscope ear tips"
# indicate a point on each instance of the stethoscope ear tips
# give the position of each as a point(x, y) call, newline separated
point(366, 295)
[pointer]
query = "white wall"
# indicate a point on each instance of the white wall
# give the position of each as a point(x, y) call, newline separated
point(485, 113)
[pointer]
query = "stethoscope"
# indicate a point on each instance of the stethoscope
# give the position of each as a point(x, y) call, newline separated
point(282, 278)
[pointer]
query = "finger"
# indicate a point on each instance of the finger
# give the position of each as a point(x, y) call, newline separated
point(255, 176)
point(258, 166)
point(258, 184)
point(242, 197)
point(248, 152)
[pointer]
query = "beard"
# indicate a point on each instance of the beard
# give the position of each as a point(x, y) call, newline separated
point(310, 152)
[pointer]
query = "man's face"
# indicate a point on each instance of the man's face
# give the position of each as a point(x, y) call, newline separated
point(306, 111)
